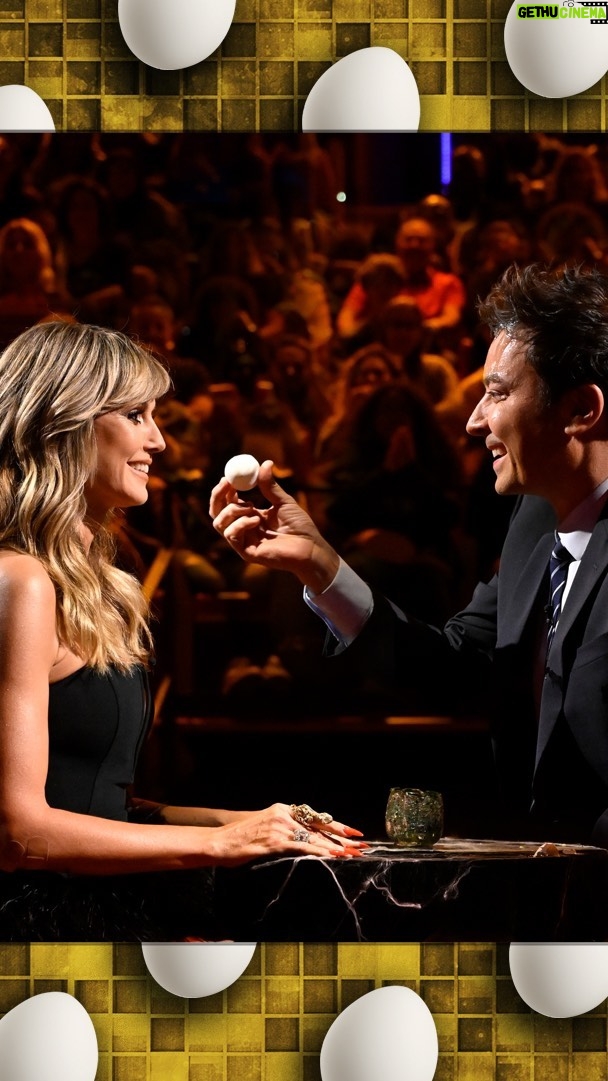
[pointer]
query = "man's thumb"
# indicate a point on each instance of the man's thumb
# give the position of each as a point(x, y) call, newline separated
point(269, 485)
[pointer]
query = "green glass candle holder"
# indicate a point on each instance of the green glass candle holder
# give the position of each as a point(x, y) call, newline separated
point(414, 817)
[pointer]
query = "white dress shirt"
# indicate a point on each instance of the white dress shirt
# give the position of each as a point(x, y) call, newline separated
point(575, 531)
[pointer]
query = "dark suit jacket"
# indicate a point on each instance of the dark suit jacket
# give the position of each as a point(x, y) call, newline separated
point(552, 757)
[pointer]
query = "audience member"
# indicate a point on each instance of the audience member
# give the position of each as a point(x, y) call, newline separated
point(395, 500)
point(402, 332)
point(439, 295)
point(28, 284)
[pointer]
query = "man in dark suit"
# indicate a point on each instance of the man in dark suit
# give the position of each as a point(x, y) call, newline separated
point(532, 646)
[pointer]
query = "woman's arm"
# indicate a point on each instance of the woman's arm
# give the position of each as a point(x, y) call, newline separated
point(144, 810)
point(35, 835)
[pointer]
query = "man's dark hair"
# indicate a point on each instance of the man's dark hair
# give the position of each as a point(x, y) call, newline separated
point(561, 316)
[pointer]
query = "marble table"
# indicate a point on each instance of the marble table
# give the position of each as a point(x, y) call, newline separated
point(459, 890)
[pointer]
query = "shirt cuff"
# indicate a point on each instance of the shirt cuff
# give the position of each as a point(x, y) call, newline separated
point(345, 606)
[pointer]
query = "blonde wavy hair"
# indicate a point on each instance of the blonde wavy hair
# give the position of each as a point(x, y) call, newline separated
point(55, 378)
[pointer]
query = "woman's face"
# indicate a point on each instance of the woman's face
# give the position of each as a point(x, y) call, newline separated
point(126, 441)
point(21, 253)
point(370, 373)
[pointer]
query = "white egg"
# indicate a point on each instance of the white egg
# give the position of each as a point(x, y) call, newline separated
point(197, 969)
point(22, 110)
point(242, 472)
point(560, 979)
point(172, 34)
point(386, 1035)
point(49, 1037)
point(556, 57)
point(368, 90)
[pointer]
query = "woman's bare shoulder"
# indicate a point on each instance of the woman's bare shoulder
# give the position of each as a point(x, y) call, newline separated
point(23, 577)
point(28, 635)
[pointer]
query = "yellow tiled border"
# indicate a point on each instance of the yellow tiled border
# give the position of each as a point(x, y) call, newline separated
point(269, 1026)
point(71, 52)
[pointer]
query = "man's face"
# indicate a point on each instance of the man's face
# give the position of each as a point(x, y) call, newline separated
point(524, 434)
point(372, 372)
point(415, 242)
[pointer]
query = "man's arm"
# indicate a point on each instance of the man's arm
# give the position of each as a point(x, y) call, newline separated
point(345, 606)
point(389, 651)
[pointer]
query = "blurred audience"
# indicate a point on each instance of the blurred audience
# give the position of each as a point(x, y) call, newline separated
point(28, 283)
point(395, 500)
point(402, 332)
point(440, 295)
point(340, 339)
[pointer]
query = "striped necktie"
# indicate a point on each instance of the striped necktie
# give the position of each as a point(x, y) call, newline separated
point(558, 571)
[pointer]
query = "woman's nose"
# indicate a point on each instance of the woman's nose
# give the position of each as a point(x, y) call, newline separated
point(157, 443)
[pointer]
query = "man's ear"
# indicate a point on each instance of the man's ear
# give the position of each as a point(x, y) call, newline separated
point(585, 407)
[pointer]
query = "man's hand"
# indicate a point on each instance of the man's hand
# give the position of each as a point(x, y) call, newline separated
point(282, 537)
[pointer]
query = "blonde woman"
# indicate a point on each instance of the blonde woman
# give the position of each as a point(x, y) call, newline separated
point(77, 440)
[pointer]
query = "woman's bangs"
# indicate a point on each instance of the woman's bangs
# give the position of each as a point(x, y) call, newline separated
point(143, 379)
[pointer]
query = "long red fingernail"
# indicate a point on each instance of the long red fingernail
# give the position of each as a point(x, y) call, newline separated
point(350, 832)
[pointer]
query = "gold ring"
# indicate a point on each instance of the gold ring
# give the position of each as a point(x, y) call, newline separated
point(305, 815)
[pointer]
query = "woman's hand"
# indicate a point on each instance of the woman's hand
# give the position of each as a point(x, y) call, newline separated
point(273, 831)
point(282, 537)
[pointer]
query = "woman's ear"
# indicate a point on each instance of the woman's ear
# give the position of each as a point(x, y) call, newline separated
point(585, 408)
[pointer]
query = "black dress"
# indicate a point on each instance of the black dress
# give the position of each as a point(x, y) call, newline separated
point(97, 724)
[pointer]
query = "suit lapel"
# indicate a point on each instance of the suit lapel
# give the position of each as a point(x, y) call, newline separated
point(523, 594)
point(591, 570)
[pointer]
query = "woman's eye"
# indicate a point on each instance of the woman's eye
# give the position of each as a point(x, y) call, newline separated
point(136, 416)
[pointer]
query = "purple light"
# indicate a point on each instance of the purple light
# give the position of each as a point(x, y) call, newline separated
point(446, 158)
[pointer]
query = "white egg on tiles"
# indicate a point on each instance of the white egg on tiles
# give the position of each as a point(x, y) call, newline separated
point(171, 34)
point(197, 969)
point(556, 57)
point(21, 109)
point(560, 979)
point(387, 1035)
point(368, 90)
point(49, 1037)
